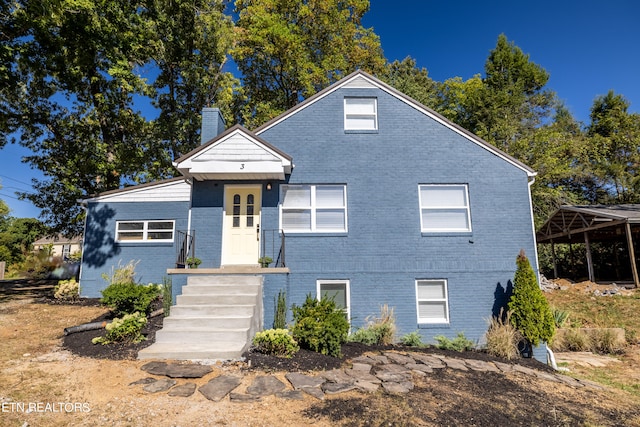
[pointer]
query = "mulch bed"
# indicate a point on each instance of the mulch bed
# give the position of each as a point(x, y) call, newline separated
point(304, 360)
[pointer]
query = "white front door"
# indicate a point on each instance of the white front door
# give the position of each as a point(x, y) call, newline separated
point(241, 235)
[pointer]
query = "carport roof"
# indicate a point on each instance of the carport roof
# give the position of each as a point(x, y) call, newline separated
point(603, 222)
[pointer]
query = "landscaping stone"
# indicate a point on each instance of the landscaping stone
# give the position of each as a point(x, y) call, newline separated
point(367, 386)
point(159, 385)
point(361, 376)
point(176, 370)
point(314, 391)
point(419, 367)
point(219, 387)
point(398, 358)
point(504, 367)
point(430, 361)
point(241, 397)
point(398, 387)
point(265, 386)
point(299, 381)
point(184, 390)
point(524, 370)
point(379, 359)
point(365, 367)
point(290, 395)
point(147, 380)
point(455, 364)
point(481, 365)
point(335, 388)
point(337, 376)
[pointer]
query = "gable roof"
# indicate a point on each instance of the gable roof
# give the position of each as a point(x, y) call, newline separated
point(174, 189)
point(237, 153)
point(361, 79)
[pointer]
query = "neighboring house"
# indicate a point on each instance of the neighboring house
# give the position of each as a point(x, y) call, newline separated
point(61, 246)
point(359, 192)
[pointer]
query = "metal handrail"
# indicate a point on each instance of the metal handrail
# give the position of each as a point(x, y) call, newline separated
point(186, 247)
point(273, 246)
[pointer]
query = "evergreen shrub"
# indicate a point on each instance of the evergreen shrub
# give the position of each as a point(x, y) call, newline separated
point(320, 326)
point(127, 298)
point(276, 342)
point(128, 328)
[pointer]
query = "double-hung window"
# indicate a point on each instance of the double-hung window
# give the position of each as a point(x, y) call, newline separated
point(145, 231)
point(444, 208)
point(431, 297)
point(360, 114)
point(313, 208)
point(338, 291)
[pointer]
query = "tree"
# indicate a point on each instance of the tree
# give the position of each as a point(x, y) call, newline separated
point(530, 312)
point(406, 77)
point(614, 136)
point(513, 103)
point(287, 50)
point(190, 48)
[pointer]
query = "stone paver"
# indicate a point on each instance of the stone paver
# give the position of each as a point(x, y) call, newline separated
point(335, 388)
point(481, 365)
point(428, 360)
point(159, 385)
point(183, 390)
point(366, 367)
point(398, 358)
point(265, 386)
point(219, 387)
point(420, 367)
point(398, 387)
point(300, 381)
point(337, 376)
point(177, 370)
point(361, 376)
point(455, 364)
point(147, 380)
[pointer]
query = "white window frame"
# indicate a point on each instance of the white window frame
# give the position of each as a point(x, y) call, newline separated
point(347, 285)
point(145, 231)
point(425, 206)
point(313, 208)
point(350, 114)
point(444, 300)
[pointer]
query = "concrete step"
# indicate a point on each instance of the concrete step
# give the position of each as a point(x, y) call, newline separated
point(201, 310)
point(224, 280)
point(238, 299)
point(202, 351)
point(212, 335)
point(205, 323)
point(217, 289)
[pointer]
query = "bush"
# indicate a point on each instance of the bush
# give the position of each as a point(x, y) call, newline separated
point(576, 340)
point(276, 342)
point(128, 328)
point(67, 290)
point(167, 295)
point(502, 338)
point(320, 326)
point(560, 317)
point(379, 330)
point(530, 312)
point(459, 343)
point(412, 339)
point(606, 341)
point(127, 298)
point(122, 274)
point(280, 317)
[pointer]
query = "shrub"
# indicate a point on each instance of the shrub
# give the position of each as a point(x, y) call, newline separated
point(574, 340)
point(167, 295)
point(280, 317)
point(560, 317)
point(127, 328)
point(67, 290)
point(276, 342)
point(122, 274)
point(378, 330)
point(412, 339)
point(459, 343)
point(320, 326)
point(606, 341)
point(127, 298)
point(502, 338)
point(530, 312)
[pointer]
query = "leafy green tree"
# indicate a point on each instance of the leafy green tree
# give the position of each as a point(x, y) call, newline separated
point(513, 102)
point(17, 236)
point(614, 137)
point(458, 100)
point(406, 77)
point(192, 39)
point(287, 50)
point(530, 312)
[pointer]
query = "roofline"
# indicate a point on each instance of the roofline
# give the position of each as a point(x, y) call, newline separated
point(93, 197)
point(415, 104)
point(226, 133)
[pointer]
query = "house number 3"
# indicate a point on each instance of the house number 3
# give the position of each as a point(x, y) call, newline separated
point(241, 165)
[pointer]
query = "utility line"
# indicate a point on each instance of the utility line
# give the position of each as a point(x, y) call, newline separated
point(13, 179)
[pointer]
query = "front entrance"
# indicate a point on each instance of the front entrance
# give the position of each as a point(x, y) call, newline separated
point(241, 225)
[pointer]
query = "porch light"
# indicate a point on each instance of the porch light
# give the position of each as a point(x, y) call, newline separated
point(268, 186)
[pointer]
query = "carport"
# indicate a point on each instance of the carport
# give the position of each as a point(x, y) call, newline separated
point(593, 223)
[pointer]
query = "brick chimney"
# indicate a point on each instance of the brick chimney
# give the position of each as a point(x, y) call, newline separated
point(212, 124)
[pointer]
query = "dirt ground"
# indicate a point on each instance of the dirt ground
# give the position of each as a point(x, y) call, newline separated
point(64, 388)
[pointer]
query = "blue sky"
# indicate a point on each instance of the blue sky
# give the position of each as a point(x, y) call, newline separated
point(588, 47)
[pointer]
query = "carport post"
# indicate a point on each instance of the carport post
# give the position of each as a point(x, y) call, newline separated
point(589, 260)
point(632, 255)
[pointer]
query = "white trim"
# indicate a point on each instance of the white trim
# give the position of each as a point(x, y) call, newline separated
point(145, 231)
point(313, 209)
point(359, 75)
point(438, 300)
point(348, 114)
point(347, 284)
point(426, 229)
point(173, 191)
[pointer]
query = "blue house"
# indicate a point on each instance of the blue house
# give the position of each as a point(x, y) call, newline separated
point(359, 192)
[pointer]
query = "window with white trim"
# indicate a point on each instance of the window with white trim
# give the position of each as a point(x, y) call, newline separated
point(444, 208)
point(313, 208)
point(432, 301)
point(360, 114)
point(145, 231)
point(338, 290)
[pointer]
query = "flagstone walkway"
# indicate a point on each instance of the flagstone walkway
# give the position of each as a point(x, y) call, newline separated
point(390, 371)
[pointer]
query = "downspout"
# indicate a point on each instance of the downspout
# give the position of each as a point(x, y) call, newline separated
point(533, 228)
point(83, 205)
point(190, 182)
